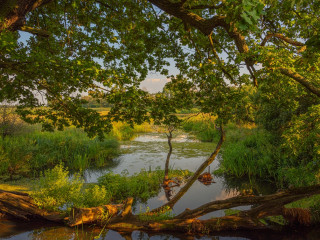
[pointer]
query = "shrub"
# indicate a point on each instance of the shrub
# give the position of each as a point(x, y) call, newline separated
point(55, 190)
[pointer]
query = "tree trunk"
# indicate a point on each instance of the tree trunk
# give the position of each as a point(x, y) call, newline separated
point(21, 206)
point(166, 169)
point(195, 176)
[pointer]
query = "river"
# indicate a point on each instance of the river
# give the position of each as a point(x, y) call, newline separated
point(148, 151)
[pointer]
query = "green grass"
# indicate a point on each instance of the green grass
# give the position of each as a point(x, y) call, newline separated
point(28, 154)
point(248, 153)
point(165, 214)
point(202, 127)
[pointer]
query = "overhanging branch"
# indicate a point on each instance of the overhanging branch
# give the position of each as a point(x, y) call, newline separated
point(39, 32)
point(284, 38)
point(300, 79)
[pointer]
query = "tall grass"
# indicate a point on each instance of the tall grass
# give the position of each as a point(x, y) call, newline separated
point(248, 152)
point(202, 126)
point(31, 153)
point(256, 153)
point(123, 131)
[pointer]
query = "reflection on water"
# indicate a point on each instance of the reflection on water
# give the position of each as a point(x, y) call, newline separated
point(149, 151)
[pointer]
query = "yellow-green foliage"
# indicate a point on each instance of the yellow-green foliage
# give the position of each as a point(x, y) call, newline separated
point(140, 186)
point(302, 138)
point(56, 190)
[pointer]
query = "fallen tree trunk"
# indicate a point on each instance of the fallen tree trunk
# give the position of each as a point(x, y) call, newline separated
point(120, 218)
point(21, 205)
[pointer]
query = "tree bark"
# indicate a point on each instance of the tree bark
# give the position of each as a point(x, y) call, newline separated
point(21, 206)
point(166, 169)
point(14, 12)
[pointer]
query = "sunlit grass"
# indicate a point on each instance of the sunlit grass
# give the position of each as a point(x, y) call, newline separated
point(123, 131)
point(20, 185)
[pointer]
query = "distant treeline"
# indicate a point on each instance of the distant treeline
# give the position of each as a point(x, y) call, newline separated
point(95, 102)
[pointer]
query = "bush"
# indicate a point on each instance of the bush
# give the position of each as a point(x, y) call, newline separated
point(55, 190)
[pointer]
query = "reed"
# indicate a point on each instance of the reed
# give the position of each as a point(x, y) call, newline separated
point(30, 153)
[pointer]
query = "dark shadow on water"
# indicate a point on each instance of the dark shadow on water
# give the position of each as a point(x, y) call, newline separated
point(247, 185)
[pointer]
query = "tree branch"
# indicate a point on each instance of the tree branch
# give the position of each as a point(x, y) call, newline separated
point(39, 32)
point(226, 73)
point(284, 38)
point(278, 199)
point(205, 6)
point(300, 79)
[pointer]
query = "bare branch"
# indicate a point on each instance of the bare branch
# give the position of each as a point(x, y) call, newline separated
point(224, 70)
point(204, 6)
point(38, 32)
point(284, 38)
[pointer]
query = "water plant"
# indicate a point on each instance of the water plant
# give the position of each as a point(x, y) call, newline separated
point(202, 126)
point(28, 154)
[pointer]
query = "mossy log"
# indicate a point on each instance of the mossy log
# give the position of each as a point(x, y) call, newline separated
point(120, 218)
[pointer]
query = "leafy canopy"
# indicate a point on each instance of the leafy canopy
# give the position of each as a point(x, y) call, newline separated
point(106, 48)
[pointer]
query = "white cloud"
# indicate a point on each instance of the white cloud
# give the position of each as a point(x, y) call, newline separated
point(155, 80)
point(154, 85)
